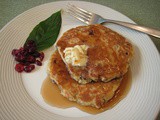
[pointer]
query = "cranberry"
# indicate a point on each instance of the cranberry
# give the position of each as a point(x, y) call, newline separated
point(91, 32)
point(31, 59)
point(32, 49)
point(21, 49)
point(32, 67)
point(14, 52)
point(29, 68)
point(20, 58)
point(30, 44)
point(26, 56)
point(41, 56)
point(19, 67)
point(24, 52)
point(39, 63)
point(36, 54)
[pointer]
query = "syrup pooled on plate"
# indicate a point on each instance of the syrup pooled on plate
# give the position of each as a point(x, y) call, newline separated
point(51, 95)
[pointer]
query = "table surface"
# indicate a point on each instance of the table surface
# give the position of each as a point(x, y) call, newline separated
point(143, 12)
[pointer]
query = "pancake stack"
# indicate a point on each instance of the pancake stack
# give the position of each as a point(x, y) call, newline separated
point(106, 61)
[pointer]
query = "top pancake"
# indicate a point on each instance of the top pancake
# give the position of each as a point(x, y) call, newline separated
point(108, 53)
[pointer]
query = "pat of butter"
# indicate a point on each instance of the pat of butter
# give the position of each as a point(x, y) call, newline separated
point(77, 55)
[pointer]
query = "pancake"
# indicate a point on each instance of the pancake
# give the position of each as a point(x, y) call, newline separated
point(94, 94)
point(108, 53)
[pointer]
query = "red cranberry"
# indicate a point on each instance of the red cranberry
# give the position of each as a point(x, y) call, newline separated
point(32, 50)
point(14, 52)
point(39, 63)
point(32, 67)
point(29, 68)
point(20, 58)
point(21, 49)
point(36, 54)
point(41, 56)
point(24, 52)
point(30, 44)
point(19, 67)
point(91, 32)
point(26, 56)
point(31, 59)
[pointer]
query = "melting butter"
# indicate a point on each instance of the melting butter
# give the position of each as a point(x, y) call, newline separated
point(77, 55)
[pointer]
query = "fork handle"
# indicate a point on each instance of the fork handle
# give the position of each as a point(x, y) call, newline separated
point(147, 30)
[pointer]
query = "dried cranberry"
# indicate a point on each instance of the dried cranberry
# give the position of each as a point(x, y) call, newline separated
point(15, 51)
point(32, 50)
point(31, 59)
point(19, 58)
point(29, 68)
point(41, 56)
point(19, 67)
point(39, 63)
point(26, 56)
point(32, 67)
point(91, 32)
point(30, 44)
point(24, 52)
point(21, 49)
point(36, 54)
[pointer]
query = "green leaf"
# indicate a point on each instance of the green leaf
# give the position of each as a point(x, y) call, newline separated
point(46, 32)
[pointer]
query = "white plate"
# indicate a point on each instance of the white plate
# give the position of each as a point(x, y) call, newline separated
point(20, 93)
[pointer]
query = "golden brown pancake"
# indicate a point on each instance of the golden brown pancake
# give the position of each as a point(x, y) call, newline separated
point(109, 53)
point(94, 94)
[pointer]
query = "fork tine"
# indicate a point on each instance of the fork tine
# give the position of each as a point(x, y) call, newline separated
point(80, 10)
point(83, 19)
point(79, 14)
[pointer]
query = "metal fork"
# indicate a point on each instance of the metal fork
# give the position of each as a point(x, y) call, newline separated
point(92, 18)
